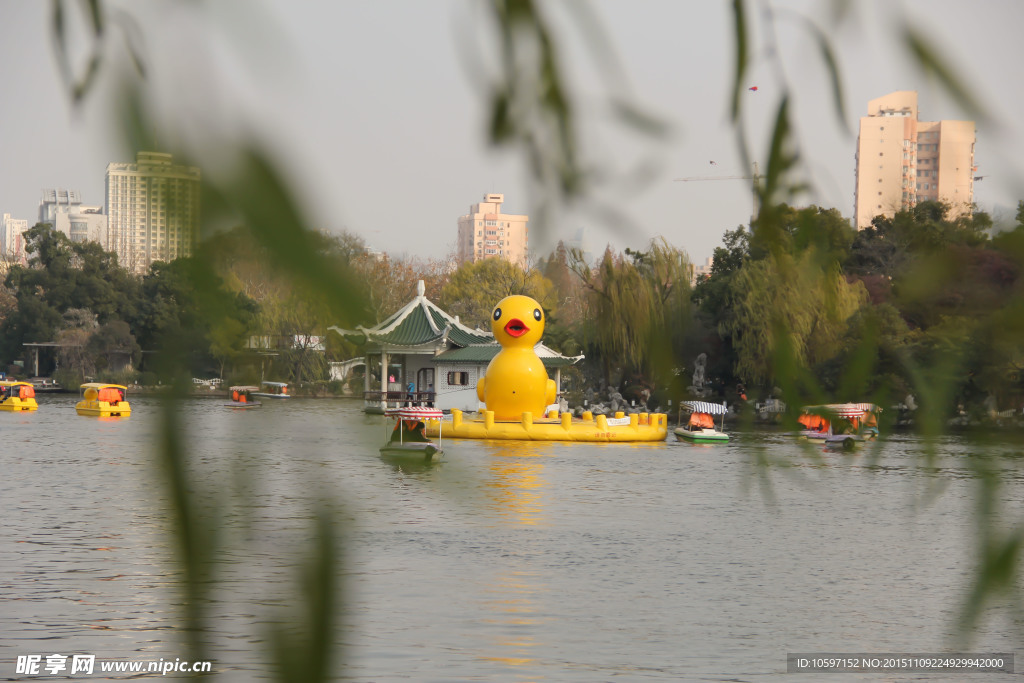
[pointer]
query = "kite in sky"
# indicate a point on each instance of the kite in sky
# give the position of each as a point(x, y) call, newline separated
point(752, 88)
point(714, 163)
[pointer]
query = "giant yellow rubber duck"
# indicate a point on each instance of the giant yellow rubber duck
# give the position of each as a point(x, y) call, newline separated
point(515, 381)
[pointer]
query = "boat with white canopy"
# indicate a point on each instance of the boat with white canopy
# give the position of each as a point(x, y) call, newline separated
point(700, 428)
point(407, 438)
point(840, 424)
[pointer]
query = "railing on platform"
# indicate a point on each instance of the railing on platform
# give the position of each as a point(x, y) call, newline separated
point(381, 400)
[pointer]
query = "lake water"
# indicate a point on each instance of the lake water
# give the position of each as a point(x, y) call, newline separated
point(504, 562)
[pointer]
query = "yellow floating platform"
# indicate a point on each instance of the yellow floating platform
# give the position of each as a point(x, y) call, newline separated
point(554, 427)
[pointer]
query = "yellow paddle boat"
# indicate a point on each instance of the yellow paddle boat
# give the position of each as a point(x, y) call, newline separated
point(519, 396)
point(17, 396)
point(103, 400)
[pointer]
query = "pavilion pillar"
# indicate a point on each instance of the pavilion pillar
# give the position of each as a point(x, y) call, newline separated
point(366, 380)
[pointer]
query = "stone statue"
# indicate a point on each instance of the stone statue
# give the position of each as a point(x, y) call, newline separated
point(615, 401)
point(698, 370)
point(697, 389)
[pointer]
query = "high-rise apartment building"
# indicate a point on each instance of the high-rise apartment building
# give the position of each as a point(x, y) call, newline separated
point(486, 232)
point(152, 210)
point(12, 241)
point(902, 161)
point(64, 210)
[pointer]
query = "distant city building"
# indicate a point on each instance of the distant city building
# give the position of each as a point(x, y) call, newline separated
point(902, 161)
point(698, 272)
point(152, 210)
point(375, 254)
point(486, 232)
point(12, 241)
point(63, 209)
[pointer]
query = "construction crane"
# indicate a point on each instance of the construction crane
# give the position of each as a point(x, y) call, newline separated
point(755, 178)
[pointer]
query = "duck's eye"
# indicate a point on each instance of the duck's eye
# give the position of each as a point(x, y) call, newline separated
point(537, 315)
point(497, 314)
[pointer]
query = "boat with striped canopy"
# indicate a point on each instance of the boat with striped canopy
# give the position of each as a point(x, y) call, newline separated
point(840, 424)
point(407, 438)
point(700, 428)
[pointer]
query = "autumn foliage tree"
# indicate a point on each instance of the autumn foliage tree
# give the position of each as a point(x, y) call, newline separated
point(476, 287)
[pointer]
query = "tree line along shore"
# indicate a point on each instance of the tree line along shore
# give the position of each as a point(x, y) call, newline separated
point(799, 304)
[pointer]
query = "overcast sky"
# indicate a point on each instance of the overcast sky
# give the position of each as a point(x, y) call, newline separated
point(375, 110)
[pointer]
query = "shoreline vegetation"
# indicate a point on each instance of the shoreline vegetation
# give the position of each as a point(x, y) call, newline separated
point(820, 312)
point(969, 419)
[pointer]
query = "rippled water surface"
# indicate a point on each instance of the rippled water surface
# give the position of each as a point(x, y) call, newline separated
point(504, 562)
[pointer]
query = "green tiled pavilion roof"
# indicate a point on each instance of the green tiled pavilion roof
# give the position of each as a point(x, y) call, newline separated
point(418, 323)
point(483, 353)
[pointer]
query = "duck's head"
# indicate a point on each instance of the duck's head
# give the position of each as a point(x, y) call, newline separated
point(517, 321)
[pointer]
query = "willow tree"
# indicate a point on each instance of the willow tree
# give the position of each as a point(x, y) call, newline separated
point(640, 307)
point(790, 311)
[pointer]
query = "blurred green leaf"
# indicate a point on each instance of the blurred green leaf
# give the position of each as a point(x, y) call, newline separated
point(998, 553)
point(640, 120)
point(257, 194)
point(927, 57)
point(829, 58)
point(304, 643)
point(57, 26)
point(96, 15)
point(741, 55)
point(780, 158)
point(195, 526)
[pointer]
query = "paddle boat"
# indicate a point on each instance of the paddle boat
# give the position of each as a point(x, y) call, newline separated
point(816, 426)
point(407, 438)
point(272, 390)
point(840, 425)
point(701, 426)
point(242, 397)
point(103, 400)
point(520, 399)
point(17, 396)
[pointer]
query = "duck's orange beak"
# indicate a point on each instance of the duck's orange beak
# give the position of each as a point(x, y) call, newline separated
point(516, 328)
